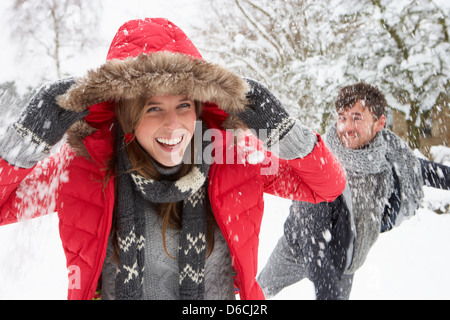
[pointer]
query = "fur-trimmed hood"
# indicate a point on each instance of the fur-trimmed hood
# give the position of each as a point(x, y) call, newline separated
point(146, 58)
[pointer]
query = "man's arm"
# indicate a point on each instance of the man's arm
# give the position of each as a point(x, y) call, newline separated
point(435, 175)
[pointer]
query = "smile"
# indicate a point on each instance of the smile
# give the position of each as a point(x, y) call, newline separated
point(351, 135)
point(170, 142)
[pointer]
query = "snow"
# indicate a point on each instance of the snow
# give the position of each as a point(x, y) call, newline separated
point(29, 71)
point(32, 262)
point(409, 262)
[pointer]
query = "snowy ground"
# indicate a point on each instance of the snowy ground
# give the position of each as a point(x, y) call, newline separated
point(410, 262)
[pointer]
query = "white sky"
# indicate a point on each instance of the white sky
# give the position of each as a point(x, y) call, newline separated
point(115, 13)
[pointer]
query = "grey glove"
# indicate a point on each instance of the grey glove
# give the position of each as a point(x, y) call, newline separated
point(40, 126)
point(266, 113)
point(43, 120)
point(281, 133)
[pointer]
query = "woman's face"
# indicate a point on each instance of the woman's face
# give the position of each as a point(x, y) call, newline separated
point(166, 128)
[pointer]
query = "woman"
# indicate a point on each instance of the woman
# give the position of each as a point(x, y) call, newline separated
point(139, 214)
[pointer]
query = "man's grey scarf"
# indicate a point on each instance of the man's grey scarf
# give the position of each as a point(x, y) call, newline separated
point(132, 190)
point(386, 152)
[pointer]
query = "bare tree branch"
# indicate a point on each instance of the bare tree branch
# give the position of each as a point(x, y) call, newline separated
point(49, 27)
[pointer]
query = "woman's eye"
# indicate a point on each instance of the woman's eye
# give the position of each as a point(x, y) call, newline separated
point(152, 109)
point(184, 105)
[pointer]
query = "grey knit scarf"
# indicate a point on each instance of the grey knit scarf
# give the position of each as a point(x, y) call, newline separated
point(132, 190)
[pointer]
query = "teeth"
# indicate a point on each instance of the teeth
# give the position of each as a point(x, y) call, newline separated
point(171, 142)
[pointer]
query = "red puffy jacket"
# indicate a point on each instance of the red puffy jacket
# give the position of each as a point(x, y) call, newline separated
point(72, 181)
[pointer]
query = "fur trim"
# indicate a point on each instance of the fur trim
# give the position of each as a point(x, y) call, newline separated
point(75, 136)
point(234, 122)
point(158, 73)
point(152, 74)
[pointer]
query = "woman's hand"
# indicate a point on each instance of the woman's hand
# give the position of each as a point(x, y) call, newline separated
point(43, 120)
point(280, 133)
point(266, 115)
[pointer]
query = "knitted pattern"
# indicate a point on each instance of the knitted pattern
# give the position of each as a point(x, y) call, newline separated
point(133, 189)
point(326, 232)
point(369, 174)
point(40, 126)
point(266, 112)
point(43, 120)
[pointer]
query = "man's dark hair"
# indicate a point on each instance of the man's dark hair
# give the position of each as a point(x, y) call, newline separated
point(373, 98)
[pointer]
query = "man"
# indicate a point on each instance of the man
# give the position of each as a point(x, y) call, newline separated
point(328, 242)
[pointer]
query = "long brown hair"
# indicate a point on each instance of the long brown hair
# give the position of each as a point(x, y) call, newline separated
point(128, 114)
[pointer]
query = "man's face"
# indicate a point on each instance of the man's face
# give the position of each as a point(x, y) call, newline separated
point(357, 127)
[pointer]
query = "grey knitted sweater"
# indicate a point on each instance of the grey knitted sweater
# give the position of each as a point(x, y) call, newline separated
point(161, 274)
